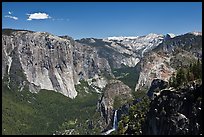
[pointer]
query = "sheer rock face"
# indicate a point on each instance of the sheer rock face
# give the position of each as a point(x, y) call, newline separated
point(162, 61)
point(113, 90)
point(154, 66)
point(87, 63)
point(49, 62)
point(176, 112)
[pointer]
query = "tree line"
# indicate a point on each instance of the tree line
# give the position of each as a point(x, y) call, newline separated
point(186, 74)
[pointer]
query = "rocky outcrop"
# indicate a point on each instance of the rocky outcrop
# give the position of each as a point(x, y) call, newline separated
point(49, 62)
point(156, 86)
point(115, 95)
point(176, 112)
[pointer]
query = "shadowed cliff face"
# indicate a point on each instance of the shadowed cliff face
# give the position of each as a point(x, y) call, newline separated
point(49, 62)
point(156, 86)
point(175, 112)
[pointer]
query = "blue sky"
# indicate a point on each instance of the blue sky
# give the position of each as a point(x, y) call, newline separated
point(103, 19)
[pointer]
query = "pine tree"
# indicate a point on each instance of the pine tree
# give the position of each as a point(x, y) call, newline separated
point(190, 76)
point(132, 123)
point(199, 69)
point(120, 128)
point(172, 80)
point(180, 76)
point(187, 74)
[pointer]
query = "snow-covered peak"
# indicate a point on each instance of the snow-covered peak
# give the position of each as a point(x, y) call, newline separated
point(92, 40)
point(171, 35)
point(136, 44)
point(121, 38)
point(196, 33)
point(153, 35)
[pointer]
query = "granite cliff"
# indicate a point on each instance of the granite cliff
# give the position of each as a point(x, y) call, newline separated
point(48, 62)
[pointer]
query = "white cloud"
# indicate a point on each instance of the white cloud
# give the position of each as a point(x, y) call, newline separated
point(12, 17)
point(10, 12)
point(38, 16)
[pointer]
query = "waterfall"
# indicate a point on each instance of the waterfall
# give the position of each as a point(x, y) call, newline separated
point(115, 121)
point(115, 124)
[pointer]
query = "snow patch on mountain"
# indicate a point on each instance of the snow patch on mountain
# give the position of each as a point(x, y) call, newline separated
point(121, 38)
point(171, 35)
point(138, 44)
point(196, 33)
point(130, 62)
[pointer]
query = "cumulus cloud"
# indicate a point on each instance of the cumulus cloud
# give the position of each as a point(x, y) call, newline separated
point(12, 17)
point(37, 16)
